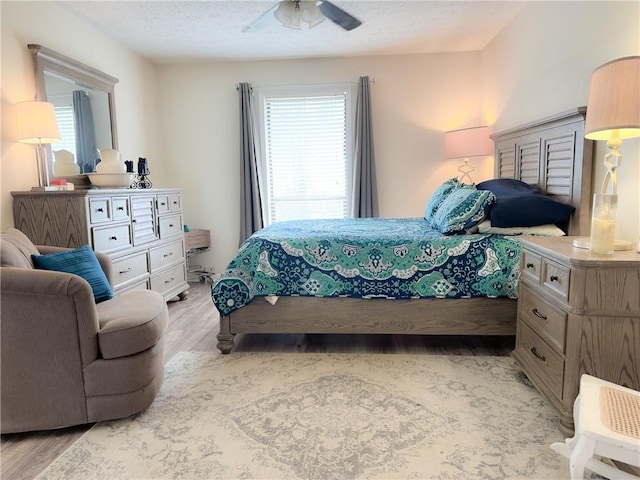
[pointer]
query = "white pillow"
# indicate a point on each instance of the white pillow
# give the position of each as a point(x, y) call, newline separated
point(549, 230)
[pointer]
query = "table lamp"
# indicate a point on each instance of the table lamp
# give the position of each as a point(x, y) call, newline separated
point(613, 114)
point(37, 124)
point(466, 143)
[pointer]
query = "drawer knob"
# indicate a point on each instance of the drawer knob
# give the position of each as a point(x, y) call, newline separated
point(113, 238)
point(121, 208)
point(171, 225)
point(167, 254)
point(538, 314)
point(169, 281)
point(99, 209)
point(128, 269)
point(537, 355)
point(529, 265)
point(554, 278)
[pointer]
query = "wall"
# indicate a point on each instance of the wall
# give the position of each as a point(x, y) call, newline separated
point(184, 117)
point(541, 64)
point(135, 94)
point(415, 99)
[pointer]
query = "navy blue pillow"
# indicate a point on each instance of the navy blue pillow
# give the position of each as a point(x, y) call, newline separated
point(82, 262)
point(507, 187)
point(521, 205)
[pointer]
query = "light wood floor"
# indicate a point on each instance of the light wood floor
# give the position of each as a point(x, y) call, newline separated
point(193, 325)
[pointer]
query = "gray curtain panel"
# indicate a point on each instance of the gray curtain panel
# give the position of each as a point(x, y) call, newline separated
point(86, 147)
point(250, 202)
point(365, 196)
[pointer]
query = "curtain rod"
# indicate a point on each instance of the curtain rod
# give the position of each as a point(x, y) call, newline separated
point(372, 81)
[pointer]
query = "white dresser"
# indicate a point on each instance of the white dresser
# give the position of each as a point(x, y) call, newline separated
point(141, 230)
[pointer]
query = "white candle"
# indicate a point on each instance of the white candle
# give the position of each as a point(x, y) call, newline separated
point(602, 235)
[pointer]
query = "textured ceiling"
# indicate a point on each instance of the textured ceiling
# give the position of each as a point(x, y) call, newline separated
point(180, 31)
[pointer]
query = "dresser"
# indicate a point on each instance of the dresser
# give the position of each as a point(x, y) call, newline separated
point(140, 230)
point(577, 313)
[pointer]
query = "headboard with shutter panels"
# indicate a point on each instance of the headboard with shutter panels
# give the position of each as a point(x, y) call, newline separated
point(553, 155)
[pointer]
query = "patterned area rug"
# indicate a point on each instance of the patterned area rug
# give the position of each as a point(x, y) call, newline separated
point(327, 416)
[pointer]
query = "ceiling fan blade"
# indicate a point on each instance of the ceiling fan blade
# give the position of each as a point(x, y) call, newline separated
point(338, 16)
point(263, 20)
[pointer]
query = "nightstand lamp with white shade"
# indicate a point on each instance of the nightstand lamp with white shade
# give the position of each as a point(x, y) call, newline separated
point(37, 124)
point(613, 114)
point(466, 143)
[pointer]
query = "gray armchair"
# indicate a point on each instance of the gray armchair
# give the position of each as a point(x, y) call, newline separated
point(66, 360)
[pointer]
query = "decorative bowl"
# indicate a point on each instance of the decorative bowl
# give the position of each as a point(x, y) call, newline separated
point(111, 180)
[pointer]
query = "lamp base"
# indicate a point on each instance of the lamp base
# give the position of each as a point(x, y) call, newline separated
point(619, 245)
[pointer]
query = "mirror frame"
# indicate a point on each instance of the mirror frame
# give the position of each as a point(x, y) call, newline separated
point(46, 60)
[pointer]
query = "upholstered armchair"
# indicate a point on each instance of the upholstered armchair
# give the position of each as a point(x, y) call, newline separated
point(65, 359)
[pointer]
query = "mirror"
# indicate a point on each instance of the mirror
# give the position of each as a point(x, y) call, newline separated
point(83, 98)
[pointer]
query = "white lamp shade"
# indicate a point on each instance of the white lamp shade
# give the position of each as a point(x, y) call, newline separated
point(613, 109)
point(37, 122)
point(468, 142)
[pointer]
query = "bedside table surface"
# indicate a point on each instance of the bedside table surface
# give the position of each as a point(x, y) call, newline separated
point(562, 248)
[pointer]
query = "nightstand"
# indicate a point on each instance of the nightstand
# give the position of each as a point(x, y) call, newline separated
point(577, 313)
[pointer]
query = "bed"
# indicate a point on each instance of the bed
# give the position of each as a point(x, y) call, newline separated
point(400, 276)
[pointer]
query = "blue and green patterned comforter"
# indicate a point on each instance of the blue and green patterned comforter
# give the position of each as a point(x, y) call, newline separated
point(367, 258)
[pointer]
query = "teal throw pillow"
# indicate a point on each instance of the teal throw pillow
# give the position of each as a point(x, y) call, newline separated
point(82, 262)
point(464, 208)
point(438, 196)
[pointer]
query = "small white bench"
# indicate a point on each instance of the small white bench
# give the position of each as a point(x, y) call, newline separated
point(607, 420)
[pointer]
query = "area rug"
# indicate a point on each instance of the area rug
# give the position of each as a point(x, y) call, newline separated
point(327, 416)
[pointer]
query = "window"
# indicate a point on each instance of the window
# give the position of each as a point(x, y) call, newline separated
point(305, 140)
point(63, 106)
point(64, 115)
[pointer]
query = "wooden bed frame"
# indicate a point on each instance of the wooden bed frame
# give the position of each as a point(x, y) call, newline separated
point(551, 153)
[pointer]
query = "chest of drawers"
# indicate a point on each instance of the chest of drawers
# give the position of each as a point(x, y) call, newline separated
point(577, 313)
point(140, 230)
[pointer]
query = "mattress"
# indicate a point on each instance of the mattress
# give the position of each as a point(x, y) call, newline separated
point(395, 258)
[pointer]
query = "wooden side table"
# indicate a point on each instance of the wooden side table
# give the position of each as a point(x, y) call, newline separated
point(577, 313)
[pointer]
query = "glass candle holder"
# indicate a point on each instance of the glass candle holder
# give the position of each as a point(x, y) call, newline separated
point(603, 223)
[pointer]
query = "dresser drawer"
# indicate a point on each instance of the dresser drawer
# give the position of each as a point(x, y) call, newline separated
point(170, 225)
point(549, 321)
point(129, 268)
point(174, 203)
point(99, 210)
point(541, 362)
point(141, 285)
point(121, 209)
point(555, 278)
point(165, 281)
point(111, 237)
point(531, 266)
point(166, 255)
point(162, 204)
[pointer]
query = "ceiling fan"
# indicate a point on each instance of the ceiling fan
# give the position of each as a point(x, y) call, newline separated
point(290, 13)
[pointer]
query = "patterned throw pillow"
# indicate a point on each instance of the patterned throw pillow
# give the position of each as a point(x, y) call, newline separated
point(438, 196)
point(82, 262)
point(464, 208)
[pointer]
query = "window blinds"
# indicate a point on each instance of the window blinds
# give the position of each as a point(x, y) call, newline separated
point(306, 156)
point(64, 115)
